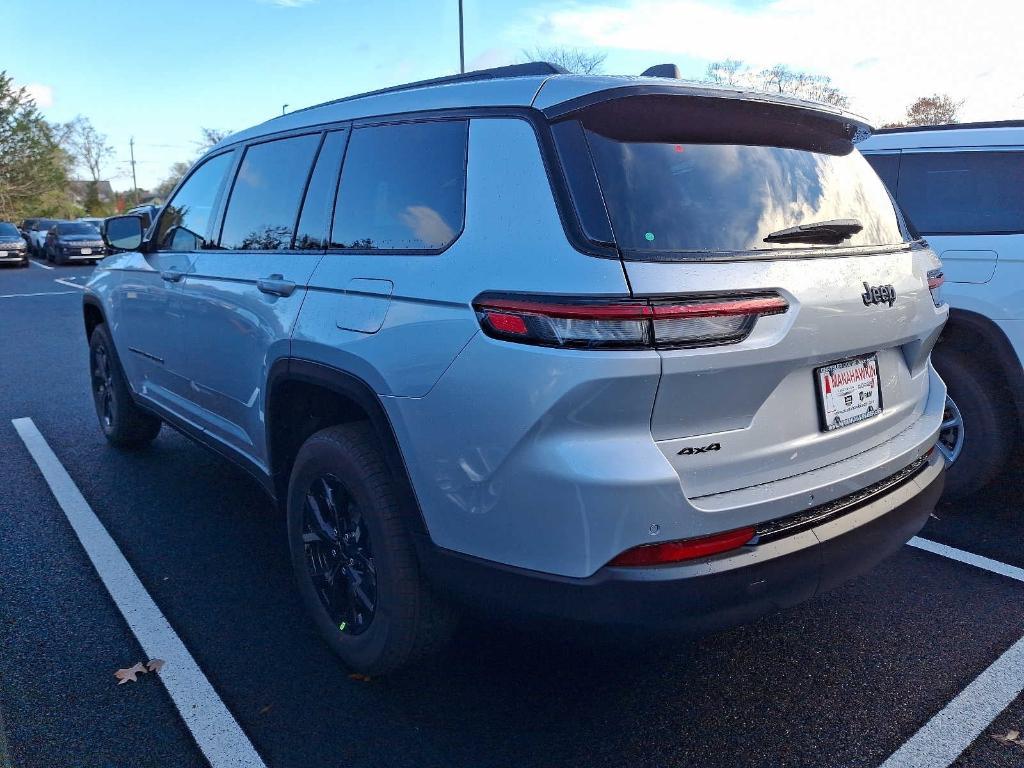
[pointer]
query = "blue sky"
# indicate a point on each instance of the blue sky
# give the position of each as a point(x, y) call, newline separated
point(228, 64)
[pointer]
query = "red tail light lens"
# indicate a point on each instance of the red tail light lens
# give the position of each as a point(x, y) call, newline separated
point(685, 549)
point(625, 323)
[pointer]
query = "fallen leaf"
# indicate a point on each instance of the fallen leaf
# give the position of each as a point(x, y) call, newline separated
point(155, 665)
point(360, 677)
point(266, 709)
point(1011, 737)
point(130, 674)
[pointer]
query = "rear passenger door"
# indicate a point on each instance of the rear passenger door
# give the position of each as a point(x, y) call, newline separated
point(240, 300)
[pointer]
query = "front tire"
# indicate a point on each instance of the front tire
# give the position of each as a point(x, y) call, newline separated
point(124, 424)
point(354, 557)
point(988, 426)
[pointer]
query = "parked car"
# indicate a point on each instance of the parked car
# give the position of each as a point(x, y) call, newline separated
point(962, 187)
point(74, 241)
point(13, 249)
point(94, 221)
point(37, 236)
point(626, 351)
point(147, 212)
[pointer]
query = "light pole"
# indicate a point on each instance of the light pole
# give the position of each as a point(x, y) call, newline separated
point(283, 108)
point(462, 47)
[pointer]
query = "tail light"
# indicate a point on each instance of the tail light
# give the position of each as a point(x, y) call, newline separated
point(685, 549)
point(697, 321)
point(935, 281)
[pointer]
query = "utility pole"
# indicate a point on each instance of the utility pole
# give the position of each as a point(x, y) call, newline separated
point(283, 108)
point(135, 184)
point(462, 46)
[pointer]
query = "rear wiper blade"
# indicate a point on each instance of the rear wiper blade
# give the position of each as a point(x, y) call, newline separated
point(834, 231)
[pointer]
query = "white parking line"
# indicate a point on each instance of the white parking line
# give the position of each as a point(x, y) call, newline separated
point(35, 263)
point(943, 739)
point(42, 293)
point(62, 281)
point(213, 727)
point(977, 561)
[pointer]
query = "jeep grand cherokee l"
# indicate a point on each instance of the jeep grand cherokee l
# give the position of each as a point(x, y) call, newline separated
point(620, 350)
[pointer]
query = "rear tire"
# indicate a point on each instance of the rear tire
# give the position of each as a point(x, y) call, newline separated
point(124, 424)
point(357, 572)
point(989, 424)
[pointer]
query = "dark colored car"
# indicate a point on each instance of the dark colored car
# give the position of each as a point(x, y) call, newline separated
point(13, 249)
point(74, 241)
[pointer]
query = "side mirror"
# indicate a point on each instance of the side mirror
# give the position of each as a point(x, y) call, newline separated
point(123, 233)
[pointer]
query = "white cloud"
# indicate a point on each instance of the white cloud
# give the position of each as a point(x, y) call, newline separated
point(882, 53)
point(43, 94)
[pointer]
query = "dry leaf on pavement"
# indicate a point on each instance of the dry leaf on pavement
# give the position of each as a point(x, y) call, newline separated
point(155, 665)
point(1010, 737)
point(130, 674)
point(359, 677)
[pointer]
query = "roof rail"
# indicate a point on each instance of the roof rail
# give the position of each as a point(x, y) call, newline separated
point(952, 126)
point(529, 69)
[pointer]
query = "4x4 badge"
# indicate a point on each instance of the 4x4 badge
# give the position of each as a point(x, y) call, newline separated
point(690, 450)
point(878, 294)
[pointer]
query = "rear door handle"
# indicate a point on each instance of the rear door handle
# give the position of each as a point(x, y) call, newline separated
point(276, 285)
point(172, 275)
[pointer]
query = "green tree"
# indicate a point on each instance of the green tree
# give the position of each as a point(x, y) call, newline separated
point(33, 168)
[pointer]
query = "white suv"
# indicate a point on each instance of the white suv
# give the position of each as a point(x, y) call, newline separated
point(962, 187)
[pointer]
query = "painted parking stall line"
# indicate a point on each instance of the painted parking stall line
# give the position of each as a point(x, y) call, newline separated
point(62, 281)
point(213, 727)
point(39, 293)
point(35, 263)
point(943, 739)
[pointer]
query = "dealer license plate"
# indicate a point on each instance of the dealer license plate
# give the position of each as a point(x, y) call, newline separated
point(87, 251)
point(848, 392)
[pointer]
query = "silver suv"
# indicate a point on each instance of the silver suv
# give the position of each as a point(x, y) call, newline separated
point(620, 350)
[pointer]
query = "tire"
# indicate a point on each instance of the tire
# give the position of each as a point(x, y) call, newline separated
point(989, 424)
point(400, 618)
point(124, 424)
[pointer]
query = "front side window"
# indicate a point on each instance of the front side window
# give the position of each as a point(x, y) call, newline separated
point(950, 193)
point(264, 201)
point(402, 187)
point(185, 222)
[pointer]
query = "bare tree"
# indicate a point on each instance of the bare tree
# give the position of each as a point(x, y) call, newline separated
point(573, 59)
point(937, 109)
point(86, 145)
point(210, 137)
point(776, 79)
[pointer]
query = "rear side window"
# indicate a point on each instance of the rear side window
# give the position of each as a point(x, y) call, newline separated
point(888, 169)
point(950, 193)
point(403, 187)
point(185, 221)
point(264, 202)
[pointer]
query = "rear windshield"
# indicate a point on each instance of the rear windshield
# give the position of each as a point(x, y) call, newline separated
point(77, 228)
point(671, 190)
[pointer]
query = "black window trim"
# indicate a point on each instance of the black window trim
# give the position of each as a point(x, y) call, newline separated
point(377, 122)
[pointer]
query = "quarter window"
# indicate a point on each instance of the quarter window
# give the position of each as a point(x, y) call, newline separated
point(185, 221)
point(949, 193)
point(265, 199)
point(887, 167)
point(402, 187)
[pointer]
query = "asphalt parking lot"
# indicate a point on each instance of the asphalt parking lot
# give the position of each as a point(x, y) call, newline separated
point(874, 669)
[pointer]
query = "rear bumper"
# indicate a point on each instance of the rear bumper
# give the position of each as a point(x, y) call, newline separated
point(711, 594)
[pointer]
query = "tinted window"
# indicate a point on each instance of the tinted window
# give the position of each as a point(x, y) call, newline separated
point(43, 224)
point(402, 187)
point(264, 202)
point(699, 197)
point(887, 167)
point(185, 222)
point(8, 230)
point(963, 192)
point(77, 228)
point(316, 211)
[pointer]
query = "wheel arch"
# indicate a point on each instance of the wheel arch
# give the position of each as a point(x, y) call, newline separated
point(303, 397)
point(977, 336)
point(92, 314)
